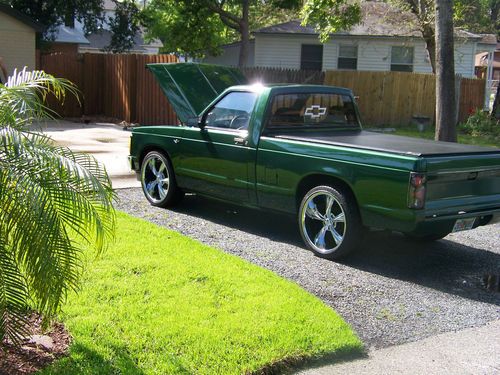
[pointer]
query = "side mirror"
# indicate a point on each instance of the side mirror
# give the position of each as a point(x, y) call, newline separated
point(193, 121)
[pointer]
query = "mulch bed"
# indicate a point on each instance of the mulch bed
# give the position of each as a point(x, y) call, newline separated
point(30, 357)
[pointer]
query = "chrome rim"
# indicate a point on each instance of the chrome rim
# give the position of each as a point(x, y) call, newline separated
point(155, 179)
point(323, 222)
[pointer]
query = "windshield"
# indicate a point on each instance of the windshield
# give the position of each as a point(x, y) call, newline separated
point(308, 110)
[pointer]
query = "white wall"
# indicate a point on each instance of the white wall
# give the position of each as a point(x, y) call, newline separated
point(281, 51)
point(374, 54)
point(465, 53)
point(231, 55)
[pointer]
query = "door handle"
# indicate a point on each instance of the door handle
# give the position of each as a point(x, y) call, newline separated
point(240, 141)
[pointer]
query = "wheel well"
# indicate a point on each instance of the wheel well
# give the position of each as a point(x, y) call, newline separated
point(148, 149)
point(311, 181)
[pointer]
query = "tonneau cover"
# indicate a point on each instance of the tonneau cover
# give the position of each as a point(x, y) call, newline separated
point(388, 143)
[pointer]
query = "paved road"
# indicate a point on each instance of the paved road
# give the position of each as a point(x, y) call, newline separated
point(471, 351)
point(109, 144)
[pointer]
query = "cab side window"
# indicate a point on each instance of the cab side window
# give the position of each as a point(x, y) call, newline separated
point(233, 111)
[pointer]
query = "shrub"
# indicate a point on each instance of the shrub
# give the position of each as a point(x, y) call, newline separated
point(480, 123)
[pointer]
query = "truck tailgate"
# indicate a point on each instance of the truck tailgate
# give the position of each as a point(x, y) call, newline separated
point(463, 183)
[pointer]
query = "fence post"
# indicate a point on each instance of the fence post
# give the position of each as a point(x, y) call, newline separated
point(132, 74)
point(458, 93)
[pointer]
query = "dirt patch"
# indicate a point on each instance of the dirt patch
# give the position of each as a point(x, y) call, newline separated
point(37, 351)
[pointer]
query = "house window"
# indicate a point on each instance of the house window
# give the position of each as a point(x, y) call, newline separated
point(311, 57)
point(402, 59)
point(348, 57)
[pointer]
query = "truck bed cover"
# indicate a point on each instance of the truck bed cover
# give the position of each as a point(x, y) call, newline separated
point(387, 143)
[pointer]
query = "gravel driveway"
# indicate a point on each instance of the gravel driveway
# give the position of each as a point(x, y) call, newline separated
point(391, 291)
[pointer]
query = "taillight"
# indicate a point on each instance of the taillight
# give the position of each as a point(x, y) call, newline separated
point(416, 190)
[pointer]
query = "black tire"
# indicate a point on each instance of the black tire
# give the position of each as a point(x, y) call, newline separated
point(426, 238)
point(158, 180)
point(330, 234)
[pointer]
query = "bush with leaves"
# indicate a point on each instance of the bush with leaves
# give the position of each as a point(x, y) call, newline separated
point(54, 204)
point(480, 123)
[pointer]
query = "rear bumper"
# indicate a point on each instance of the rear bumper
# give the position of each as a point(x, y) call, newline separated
point(444, 223)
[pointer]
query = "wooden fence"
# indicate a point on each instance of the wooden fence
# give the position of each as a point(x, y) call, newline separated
point(472, 93)
point(119, 86)
point(393, 98)
point(112, 85)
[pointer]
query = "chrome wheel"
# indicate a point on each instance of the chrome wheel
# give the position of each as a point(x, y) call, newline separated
point(323, 218)
point(155, 178)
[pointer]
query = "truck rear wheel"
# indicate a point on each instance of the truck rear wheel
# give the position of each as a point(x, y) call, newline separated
point(158, 180)
point(329, 222)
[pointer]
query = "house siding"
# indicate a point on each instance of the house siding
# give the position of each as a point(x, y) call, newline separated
point(465, 58)
point(230, 56)
point(374, 54)
point(281, 51)
point(17, 43)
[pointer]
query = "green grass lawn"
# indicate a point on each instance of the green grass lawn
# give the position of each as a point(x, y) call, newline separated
point(462, 138)
point(157, 302)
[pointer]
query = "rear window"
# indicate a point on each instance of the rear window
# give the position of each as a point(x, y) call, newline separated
point(305, 110)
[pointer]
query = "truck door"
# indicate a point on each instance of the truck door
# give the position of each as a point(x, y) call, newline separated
point(216, 160)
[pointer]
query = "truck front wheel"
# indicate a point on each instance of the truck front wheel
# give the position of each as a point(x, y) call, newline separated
point(158, 180)
point(329, 222)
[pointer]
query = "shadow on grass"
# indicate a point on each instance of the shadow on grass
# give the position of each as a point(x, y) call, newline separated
point(83, 360)
point(294, 365)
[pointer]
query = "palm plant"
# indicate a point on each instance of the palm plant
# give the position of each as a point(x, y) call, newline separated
point(54, 204)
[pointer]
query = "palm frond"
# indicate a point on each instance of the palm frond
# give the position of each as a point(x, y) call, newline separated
point(22, 98)
point(54, 204)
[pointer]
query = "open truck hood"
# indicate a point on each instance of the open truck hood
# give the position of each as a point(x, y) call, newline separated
point(191, 87)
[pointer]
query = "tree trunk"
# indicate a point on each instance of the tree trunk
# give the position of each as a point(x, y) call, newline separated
point(445, 73)
point(245, 35)
point(494, 8)
point(430, 44)
point(496, 105)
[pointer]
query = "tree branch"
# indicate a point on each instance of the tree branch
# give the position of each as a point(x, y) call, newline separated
point(229, 19)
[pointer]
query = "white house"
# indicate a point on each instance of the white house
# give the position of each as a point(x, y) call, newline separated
point(98, 41)
point(386, 39)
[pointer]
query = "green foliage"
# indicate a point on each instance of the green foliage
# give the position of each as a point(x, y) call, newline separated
point(480, 123)
point(124, 26)
point(185, 27)
point(53, 13)
point(199, 27)
point(479, 16)
point(47, 193)
point(330, 16)
point(160, 303)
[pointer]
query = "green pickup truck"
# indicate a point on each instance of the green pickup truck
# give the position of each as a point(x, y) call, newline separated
point(301, 150)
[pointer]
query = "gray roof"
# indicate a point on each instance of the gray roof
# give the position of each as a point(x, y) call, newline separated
point(102, 38)
point(488, 39)
point(65, 34)
point(378, 19)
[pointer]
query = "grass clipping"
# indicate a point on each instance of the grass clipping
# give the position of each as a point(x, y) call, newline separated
point(159, 302)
